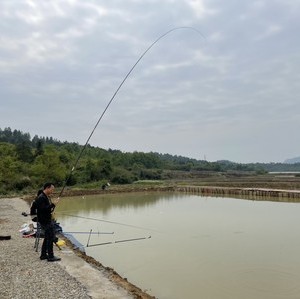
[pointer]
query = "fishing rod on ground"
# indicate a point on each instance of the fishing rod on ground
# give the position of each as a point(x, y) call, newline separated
point(111, 222)
point(114, 242)
point(90, 233)
point(69, 235)
point(118, 241)
point(79, 245)
point(115, 93)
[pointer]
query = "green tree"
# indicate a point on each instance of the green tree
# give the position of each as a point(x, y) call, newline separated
point(39, 148)
point(122, 176)
point(48, 167)
point(12, 170)
point(97, 170)
point(24, 151)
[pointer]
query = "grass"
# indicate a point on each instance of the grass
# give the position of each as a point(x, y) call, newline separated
point(232, 180)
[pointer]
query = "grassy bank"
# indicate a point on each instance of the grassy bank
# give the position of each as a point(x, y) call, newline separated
point(285, 181)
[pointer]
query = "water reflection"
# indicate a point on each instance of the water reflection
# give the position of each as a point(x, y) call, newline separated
point(201, 247)
point(105, 203)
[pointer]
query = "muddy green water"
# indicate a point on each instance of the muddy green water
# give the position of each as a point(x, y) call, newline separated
point(200, 247)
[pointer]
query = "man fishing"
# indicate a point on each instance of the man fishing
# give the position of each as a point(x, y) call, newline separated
point(45, 207)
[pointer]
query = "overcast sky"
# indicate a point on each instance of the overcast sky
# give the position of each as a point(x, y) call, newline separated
point(231, 92)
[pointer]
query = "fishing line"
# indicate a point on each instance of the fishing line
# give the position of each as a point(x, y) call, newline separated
point(117, 90)
point(111, 222)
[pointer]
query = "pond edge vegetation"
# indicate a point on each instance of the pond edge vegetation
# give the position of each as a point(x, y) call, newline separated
point(26, 163)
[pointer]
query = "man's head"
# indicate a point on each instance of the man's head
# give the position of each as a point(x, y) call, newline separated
point(48, 188)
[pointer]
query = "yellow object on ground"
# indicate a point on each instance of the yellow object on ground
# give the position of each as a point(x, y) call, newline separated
point(60, 242)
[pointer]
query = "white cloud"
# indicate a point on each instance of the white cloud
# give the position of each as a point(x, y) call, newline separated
point(200, 8)
point(212, 94)
point(269, 31)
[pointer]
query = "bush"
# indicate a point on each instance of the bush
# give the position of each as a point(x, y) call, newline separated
point(122, 176)
point(149, 174)
point(22, 183)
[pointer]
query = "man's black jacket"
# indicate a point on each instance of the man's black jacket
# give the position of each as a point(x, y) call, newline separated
point(44, 209)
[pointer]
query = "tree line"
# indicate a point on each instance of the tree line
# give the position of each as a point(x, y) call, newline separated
point(26, 163)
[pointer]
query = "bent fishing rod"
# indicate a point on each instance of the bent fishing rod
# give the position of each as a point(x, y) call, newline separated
point(115, 93)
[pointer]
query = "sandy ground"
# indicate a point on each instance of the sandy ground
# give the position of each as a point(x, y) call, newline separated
point(24, 275)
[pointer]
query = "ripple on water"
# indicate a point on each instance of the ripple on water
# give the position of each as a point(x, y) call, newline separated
point(272, 282)
point(255, 282)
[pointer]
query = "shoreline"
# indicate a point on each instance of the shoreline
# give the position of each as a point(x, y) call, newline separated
point(24, 275)
point(110, 273)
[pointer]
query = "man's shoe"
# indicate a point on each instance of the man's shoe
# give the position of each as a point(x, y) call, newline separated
point(44, 257)
point(54, 259)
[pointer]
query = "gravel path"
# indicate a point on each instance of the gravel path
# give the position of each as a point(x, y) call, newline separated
point(23, 275)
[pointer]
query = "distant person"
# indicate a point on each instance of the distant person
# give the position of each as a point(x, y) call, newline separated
point(45, 207)
point(105, 186)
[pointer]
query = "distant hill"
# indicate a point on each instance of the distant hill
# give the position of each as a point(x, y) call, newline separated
point(292, 160)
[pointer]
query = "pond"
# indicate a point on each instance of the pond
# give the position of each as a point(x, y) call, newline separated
point(189, 246)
